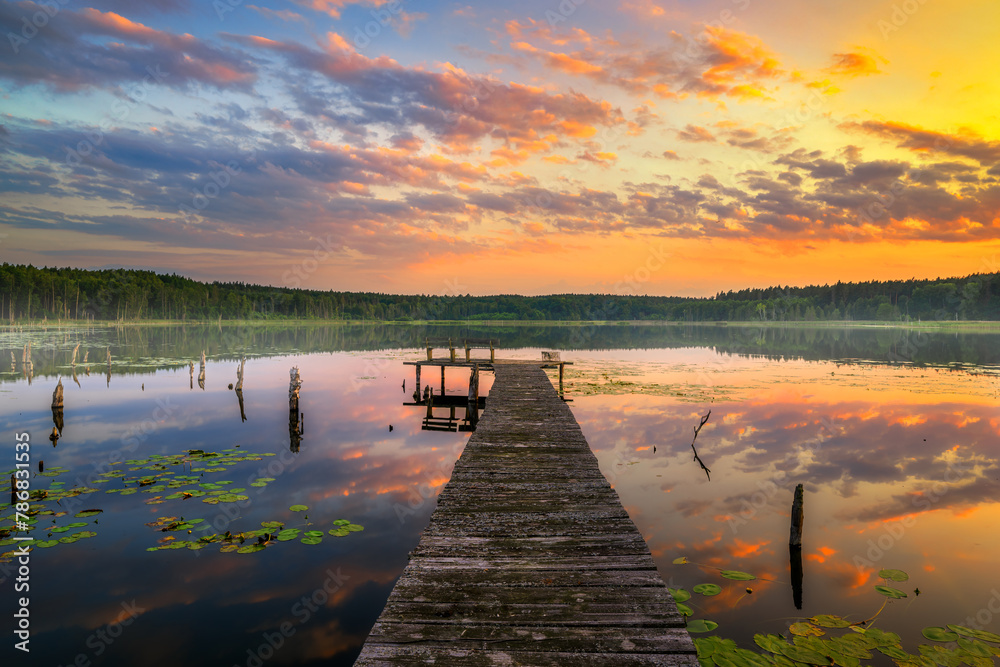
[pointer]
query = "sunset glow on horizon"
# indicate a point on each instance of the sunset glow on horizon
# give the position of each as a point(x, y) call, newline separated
point(663, 147)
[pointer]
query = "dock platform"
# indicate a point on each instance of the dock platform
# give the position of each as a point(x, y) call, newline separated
point(529, 557)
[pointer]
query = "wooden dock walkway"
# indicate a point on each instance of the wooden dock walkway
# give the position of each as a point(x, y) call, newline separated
point(529, 558)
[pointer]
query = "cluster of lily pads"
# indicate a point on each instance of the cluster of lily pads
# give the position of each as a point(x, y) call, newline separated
point(176, 477)
point(270, 532)
point(812, 641)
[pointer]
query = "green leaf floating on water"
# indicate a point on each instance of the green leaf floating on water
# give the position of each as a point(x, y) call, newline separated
point(827, 621)
point(681, 561)
point(340, 532)
point(890, 592)
point(312, 537)
point(805, 630)
point(63, 529)
point(86, 513)
point(680, 595)
point(975, 634)
point(684, 609)
point(936, 634)
point(288, 534)
point(299, 508)
point(736, 575)
point(341, 522)
point(700, 625)
point(893, 575)
point(353, 528)
point(45, 544)
point(707, 589)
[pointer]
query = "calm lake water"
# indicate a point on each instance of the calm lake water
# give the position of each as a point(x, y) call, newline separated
point(895, 436)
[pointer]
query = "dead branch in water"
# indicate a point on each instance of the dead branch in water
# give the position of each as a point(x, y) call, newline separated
point(697, 458)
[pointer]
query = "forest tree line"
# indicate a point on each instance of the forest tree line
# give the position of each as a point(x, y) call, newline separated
point(32, 293)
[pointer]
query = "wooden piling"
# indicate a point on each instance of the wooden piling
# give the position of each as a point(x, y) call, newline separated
point(795, 534)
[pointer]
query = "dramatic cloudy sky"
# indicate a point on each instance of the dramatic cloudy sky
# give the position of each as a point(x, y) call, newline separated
point(651, 146)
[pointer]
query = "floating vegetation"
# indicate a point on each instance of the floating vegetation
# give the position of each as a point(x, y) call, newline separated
point(811, 641)
point(252, 541)
point(175, 477)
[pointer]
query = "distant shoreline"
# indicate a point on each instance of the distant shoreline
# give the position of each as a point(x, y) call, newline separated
point(957, 326)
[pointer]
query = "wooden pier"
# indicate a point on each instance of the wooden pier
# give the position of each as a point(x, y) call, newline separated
point(529, 558)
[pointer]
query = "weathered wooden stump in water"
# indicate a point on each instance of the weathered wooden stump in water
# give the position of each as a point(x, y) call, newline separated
point(795, 533)
point(296, 420)
point(75, 350)
point(57, 395)
point(529, 558)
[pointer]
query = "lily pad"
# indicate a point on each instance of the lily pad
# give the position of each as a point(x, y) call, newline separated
point(339, 532)
point(700, 625)
point(936, 634)
point(311, 540)
point(45, 544)
point(975, 634)
point(681, 561)
point(893, 575)
point(341, 522)
point(299, 508)
point(680, 595)
point(736, 575)
point(86, 513)
point(684, 609)
point(354, 528)
point(890, 592)
point(250, 548)
point(828, 621)
point(288, 534)
point(707, 589)
point(805, 630)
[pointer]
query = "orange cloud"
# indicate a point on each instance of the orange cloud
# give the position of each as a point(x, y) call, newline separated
point(855, 64)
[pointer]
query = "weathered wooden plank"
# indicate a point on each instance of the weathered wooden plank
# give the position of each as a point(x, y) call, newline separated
point(502, 637)
point(424, 653)
point(529, 558)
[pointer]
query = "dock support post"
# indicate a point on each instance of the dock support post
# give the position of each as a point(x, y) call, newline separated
point(561, 367)
point(418, 379)
point(467, 352)
point(472, 411)
point(430, 352)
point(492, 354)
point(451, 349)
point(442, 380)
